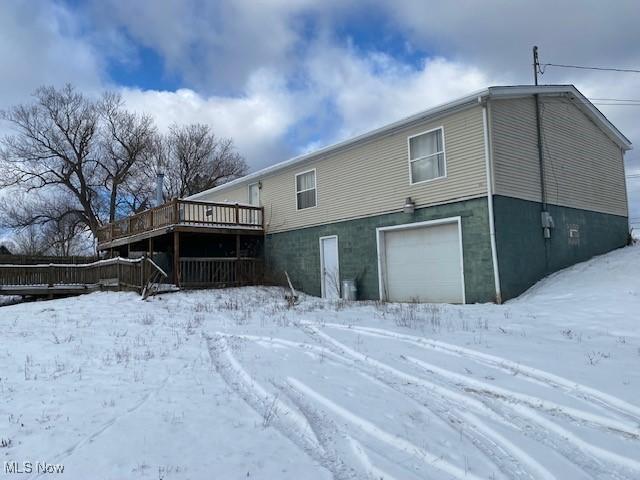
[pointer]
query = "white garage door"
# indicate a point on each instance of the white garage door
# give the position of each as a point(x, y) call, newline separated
point(423, 264)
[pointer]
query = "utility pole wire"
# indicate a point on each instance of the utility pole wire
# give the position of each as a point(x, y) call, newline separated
point(617, 104)
point(582, 67)
point(615, 99)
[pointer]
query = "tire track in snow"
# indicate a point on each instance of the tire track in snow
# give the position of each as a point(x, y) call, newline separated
point(373, 471)
point(578, 390)
point(429, 459)
point(571, 447)
point(287, 421)
point(324, 430)
point(334, 440)
point(574, 449)
point(590, 458)
point(536, 469)
point(482, 388)
point(445, 404)
point(482, 438)
point(524, 406)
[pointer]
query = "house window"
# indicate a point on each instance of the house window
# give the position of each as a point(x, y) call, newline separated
point(306, 189)
point(254, 194)
point(426, 156)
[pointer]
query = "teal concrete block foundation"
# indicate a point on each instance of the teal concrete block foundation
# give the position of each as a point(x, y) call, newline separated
point(524, 256)
point(298, 251)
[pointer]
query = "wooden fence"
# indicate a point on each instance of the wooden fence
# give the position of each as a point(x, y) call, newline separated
point(202, 272)
point(115, 272)
point(44, 259)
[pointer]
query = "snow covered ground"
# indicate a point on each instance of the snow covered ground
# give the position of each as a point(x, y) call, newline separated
point(232, 384)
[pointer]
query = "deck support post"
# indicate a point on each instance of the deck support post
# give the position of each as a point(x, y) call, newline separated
point(176, 258)
point(238, 259)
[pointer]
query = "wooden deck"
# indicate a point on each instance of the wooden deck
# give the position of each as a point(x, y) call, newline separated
point(183, 216)
point(68, 279)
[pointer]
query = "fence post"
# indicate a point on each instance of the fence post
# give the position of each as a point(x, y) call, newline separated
point(176, 258)
point(237, 214)
point(176, 217)
point(142, 268)
point(237, 262)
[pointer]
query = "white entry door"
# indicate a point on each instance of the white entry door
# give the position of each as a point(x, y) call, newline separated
point(329, 267)
point(423, 263)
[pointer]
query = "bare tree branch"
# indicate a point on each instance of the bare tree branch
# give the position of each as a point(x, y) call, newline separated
point(196, 160)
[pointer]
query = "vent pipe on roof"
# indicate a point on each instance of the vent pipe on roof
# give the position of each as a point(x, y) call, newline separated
point(159, 189)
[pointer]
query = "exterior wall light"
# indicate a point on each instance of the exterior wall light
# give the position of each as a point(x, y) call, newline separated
point(409, 206)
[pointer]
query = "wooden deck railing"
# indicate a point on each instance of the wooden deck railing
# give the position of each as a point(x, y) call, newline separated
point(220, 272)
point(184, 212)
point(130, 273)
point(44, 259)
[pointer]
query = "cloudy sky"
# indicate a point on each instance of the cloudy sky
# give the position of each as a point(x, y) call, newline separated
point(286, 76)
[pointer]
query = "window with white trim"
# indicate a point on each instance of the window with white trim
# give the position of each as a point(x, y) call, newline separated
point(306, 189)
point(426, 156)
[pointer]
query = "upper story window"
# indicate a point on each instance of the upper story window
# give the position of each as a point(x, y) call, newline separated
point(254, 194)
point(306, 189)
point(426, 156)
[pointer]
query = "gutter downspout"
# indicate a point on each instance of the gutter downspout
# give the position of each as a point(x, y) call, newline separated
point(545, 217)
point(543, 192)
point(492, 228)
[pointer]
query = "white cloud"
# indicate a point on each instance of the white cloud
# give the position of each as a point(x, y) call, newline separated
point(361, 92)
point(498, 36)
point(258, 120)
point(215, 44)
point(371, 90)
point(277, 82)
point(40, 44)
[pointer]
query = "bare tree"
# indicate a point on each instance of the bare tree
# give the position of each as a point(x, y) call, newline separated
point(82, 162)
point(46, 225)
point(54, 148)
point(126, 140)
point(196, 160)
point(29, 241)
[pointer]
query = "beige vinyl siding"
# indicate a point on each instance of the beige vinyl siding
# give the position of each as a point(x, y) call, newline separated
point(584, 168)
point(239, 194)
point(373, 177)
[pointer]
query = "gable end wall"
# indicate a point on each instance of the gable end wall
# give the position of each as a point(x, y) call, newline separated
point(584, 168)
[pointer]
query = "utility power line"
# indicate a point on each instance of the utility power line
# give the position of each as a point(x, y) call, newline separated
point(582, 67)
point(615, 99)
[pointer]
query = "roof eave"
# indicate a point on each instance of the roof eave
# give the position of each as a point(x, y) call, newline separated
point(469, 100)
